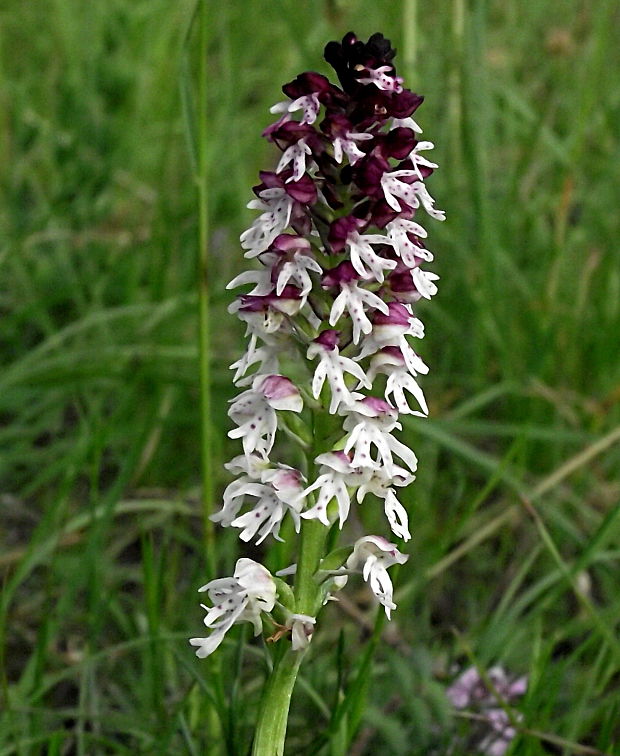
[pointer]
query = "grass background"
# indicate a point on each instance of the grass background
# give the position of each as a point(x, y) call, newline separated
point(515, 510)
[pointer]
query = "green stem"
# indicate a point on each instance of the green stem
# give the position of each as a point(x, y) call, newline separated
point(273, 717)
point(204, 340)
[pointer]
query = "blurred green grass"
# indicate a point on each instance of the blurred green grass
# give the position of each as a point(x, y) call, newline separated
point(101, 543)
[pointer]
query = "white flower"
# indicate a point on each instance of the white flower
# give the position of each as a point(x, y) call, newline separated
point(332, 365)
point(276, 205)
point(407, 123)
point(295, 154)
point(254, 411)
point(261, 278)
point(308, 103)
point(352, 298)
point(398, 231)
point(376, 554)
point(391, 331)
point(302, 629)
point(369, 423)
point(413, 194)
point(266, 355)
point(379, 483)
point(383, 81)
point(418, 159)
point(280, 493)
point(336, 475)
point(294, 269)
point(347, 144)
point(240, 598)
point(390, 361)
point(424, 282)
point(363, 254)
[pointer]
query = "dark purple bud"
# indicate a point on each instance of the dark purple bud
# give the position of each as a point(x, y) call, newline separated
point(351, 55)
point(381, 213)
point(398, 315)
point(340, 230)
point(397, 143)
point(300, 220)
point(328, 339)
point(303, 191)
point(403, 287)
point(307, 83)
point(368, 173)
point(330, 194)
point(336, 125)
point(403, 104)
point(290, 132)
point(342, 273)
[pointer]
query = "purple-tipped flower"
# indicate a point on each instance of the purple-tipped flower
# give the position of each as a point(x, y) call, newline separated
point(330, 311)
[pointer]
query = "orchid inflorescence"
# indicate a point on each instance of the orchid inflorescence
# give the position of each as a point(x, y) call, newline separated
point(342, 252)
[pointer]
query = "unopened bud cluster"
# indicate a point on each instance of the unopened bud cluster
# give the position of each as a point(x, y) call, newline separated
point(331, 326)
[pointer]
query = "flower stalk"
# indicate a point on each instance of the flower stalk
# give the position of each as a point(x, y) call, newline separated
point(331, 320)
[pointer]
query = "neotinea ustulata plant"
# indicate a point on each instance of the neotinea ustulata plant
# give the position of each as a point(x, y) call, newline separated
point(331, 360)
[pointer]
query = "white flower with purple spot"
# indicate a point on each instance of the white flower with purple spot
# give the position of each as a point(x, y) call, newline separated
point(347, 144)
point(362, 254)
point(392, 330)
point(241, 598)
point(374, 555)
point(333, 366)
point(370, 422)
point(276, 206)
point(379, 483)
point(309, 104)
point(278, 495)
point(336, 476)
point(295, 154)
point(381, 78)
point(352, 298)
point(398, 232)
point(390, 362)
point(254, 411)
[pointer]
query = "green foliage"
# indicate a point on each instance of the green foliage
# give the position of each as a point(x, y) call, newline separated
point(515, 510)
